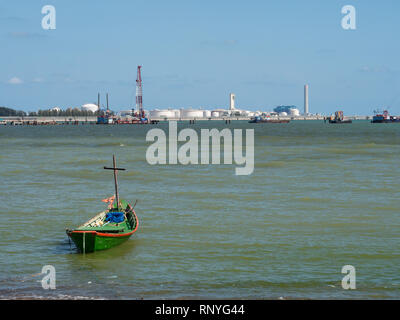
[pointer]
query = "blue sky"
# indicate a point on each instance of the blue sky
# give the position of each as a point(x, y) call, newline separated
point(194, 53)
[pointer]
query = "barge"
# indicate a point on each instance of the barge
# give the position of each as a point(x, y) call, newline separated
point(259, 119)
point(339, 118)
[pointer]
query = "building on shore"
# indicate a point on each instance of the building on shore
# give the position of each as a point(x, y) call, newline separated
point(232, 101)
point(289, 110)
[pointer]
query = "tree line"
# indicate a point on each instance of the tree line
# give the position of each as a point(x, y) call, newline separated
point(70, 112)
point(8, 112)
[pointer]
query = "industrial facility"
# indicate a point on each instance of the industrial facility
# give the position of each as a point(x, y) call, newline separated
point(140, 115)
point(231, 112)
point(220, 113)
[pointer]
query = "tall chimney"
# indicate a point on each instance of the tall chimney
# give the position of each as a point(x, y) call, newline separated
point(98, 100)
point(306, 99)
point(232, 101)
point(107, 100)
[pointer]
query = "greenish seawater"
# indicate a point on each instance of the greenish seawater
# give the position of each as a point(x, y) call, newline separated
point(321, 196)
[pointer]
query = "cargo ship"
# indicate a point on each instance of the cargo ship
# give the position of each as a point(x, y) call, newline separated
point(259, 119)
point(339, 118)
point(384, 118)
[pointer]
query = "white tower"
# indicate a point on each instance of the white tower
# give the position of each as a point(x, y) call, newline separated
point(306, 99)
point(232, 102)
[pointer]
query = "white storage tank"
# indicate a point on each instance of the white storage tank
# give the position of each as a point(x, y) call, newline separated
point(191, 113)
point(217, 113)
point(207, 114)
point(295, 112)
point(90, 107)
point(162, 114)
point(56, 109)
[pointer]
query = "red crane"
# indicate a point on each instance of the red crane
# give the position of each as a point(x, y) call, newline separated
point(139, 93)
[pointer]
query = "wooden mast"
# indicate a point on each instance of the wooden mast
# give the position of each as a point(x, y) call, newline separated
point(115, 169)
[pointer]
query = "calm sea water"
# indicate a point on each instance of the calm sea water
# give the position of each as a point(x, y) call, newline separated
point(321, 196)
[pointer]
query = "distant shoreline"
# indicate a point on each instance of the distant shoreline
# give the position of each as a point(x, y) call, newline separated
point(93, 119)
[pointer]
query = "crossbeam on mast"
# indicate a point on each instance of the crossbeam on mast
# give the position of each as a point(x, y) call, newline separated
point(115, 169)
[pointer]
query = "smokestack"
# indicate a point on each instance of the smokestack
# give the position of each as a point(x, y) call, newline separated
point(107, 100)
point(232, 102)
point(98, 100)
point(306, 99)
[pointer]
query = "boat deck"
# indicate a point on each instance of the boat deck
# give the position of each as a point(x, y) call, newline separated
point(108, 228)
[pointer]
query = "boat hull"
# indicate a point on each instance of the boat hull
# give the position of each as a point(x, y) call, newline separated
point(342, 121)
point(91, 241)
point(92, 236)
point(386, 121)
point(269, 121)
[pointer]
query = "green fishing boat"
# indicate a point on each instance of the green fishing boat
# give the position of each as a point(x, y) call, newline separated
point(108, 228)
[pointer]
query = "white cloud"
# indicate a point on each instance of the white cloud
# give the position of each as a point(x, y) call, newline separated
point(37, 80)
point(15, 80)
point(374, 69)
